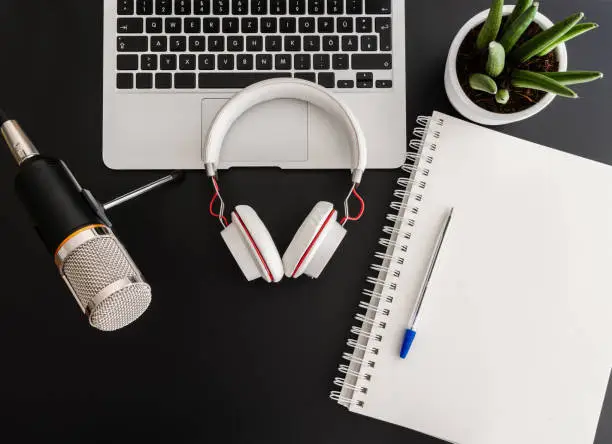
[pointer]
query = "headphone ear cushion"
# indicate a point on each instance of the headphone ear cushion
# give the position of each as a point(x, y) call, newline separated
point(314, 242)
point(252, 246)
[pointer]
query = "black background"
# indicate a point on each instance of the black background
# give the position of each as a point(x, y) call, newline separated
point(215, 359)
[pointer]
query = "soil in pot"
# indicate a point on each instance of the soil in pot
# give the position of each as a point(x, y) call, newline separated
point(470, 61)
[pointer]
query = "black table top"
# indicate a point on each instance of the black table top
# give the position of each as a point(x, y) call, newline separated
point(215, 359)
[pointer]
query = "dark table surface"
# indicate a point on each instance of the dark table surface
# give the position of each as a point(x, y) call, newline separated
point(215, 359)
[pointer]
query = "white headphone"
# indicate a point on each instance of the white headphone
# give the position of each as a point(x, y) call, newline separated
point(320, 234)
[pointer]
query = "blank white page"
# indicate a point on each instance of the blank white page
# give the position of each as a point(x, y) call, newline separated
point(514, 339)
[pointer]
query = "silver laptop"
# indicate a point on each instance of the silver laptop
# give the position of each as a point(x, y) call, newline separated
point(170, 65)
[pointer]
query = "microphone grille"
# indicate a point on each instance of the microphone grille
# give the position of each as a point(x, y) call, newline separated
point(99, 266)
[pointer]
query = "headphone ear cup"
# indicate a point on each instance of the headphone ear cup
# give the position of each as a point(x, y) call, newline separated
point(314, 243)
point(252, 246)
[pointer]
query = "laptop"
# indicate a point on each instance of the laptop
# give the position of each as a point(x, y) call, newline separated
point(170, 65)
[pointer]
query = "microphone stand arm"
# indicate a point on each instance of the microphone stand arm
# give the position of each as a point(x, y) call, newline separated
point(175, 176)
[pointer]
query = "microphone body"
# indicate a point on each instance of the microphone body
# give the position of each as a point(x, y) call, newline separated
point(54, 200)
point(73, 226)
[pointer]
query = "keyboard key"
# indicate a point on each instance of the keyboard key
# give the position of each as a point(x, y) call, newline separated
point(230, 25)
point(132, 44)
point(383, 28)
point(148, 62)
point(350, 43)
point(206, 62)
point(384, 84)
point(236, 80)
point(345, 24)
point(312, 43)
point(178, 44)
point(254, 43)
point(184, 80)
point(282, 62)
point(301, 61)
point(335, 6)
point(293, 43)
point(167, 62)
point(259, 7)
point(173, 25)
point(327, 79)
point(244, 62)
point(193, 25)
point(125, 7)
point(354, 7)
point(159, 43)
point(197, 43)
point(163, 7)
point(371, 61)
point(320, 61)
point(163, 81)
point(268, 25)
point(221, 7)
point(297, 7)
point(144, 7)
point(378, 7)
point(274, 43)
point(154, 25)
point(235, 43)
point(325, 24)
point(310, 76)
point(364, 24)
point(225, 62)
point(369, 43)
point(331, 43)
point(182, 7)
point(129, 25)
point(216, 43)
point(125, 81)
point(278, 7)
point(263, 61)
point(211, 25)
point(316, 7)
point(201, 7)
point(144, 80)
point(287, 25)
point(364, 84)
point(187, 62)
point(346, 84)
point(340, 61)
point(365, 76)
point(307, 25)
point(127, 62)
point(240, 7)
point(249, 25)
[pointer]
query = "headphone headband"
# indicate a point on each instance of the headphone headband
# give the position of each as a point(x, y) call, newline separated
point(283, 88)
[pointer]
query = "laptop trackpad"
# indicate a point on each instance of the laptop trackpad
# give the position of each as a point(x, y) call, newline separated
point(267, 134)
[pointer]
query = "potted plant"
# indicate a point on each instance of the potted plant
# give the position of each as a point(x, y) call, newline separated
point(509, 63)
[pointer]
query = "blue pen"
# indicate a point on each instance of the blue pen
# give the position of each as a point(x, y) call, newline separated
point(410, 333)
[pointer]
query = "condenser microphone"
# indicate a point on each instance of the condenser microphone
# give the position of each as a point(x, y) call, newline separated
point(94, 264)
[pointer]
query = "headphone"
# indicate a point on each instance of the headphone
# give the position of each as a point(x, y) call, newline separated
point(321, 233)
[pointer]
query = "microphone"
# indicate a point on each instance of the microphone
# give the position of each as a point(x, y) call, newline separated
point(94, 264)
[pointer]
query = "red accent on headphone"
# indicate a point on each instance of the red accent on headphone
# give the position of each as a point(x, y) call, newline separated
point(361, 211)
point(303, 258)
point(255, 245)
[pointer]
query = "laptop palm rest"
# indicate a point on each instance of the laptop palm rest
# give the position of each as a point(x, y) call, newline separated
point(266, 135)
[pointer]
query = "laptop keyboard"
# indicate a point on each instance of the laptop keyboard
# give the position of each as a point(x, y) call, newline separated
point(230, 44)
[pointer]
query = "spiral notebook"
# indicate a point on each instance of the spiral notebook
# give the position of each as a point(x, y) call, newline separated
point(514, 337)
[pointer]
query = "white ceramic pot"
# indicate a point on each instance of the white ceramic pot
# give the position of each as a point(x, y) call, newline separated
point(462, 102)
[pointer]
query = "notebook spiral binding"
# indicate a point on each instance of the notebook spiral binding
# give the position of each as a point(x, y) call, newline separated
point(367, 339)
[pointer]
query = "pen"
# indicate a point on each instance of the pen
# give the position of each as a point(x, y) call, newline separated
point(410, 333)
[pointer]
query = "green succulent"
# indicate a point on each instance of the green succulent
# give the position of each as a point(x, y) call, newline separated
point(503, 56)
